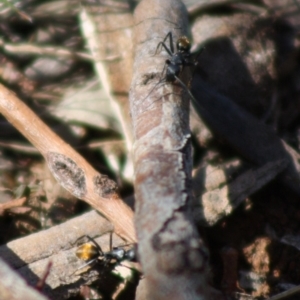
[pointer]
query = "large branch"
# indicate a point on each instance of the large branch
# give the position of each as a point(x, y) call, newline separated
point(173, 257)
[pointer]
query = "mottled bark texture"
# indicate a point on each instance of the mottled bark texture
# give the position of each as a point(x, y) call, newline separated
point(173, 257)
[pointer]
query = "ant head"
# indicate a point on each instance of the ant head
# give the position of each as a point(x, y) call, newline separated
point(183, 44)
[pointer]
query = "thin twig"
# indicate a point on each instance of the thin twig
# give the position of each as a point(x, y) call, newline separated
point(12, 203)
point(286, 294)
point(31, 49)
point(70, 169)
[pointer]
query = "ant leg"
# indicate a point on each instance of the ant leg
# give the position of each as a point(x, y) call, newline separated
point(156, 85)
point(187, 62)
point(83, 266)
point(110, 241)
point(170, 36)
point(165, 47)
point(186, 88)
point(161, 80)
point(193, 63)
point(96, 245)
point(86, 264)
point(171, 41)
point(163, 43)
point(167, 62)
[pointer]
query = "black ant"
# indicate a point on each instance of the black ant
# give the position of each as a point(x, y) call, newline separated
point(178, 60)
point(93, 253)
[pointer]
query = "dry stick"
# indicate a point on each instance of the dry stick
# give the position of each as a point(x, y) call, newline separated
point(253, 140)
point(286, 294)
point(70, 169)
point(37, 246)
point(12, 203)
point(40, 50)
point(173, 257)
point(108, 29)
point(20, 147)
point(13, 287)
point(210, 207)
point(30, 255)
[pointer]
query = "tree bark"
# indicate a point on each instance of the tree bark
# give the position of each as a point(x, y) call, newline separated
point(173, 257)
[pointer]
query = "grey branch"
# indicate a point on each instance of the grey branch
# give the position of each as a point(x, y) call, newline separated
point(173, 257)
